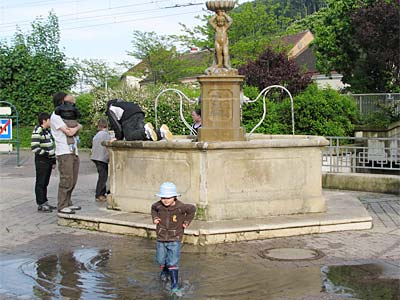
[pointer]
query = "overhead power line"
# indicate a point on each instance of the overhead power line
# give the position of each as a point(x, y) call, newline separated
point(74, 15)
point(68, 19)
point(125, 21)
point(132, 20)
point(183, 5)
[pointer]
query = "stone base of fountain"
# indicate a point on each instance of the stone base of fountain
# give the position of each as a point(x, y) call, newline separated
point(220, 106)
point(269, 175)
point(267, 187)
point(344, 212)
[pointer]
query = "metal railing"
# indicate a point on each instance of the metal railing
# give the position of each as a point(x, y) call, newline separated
point(369, 103)
point(353, 154)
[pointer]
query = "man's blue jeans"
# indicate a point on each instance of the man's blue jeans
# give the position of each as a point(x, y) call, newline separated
point(168, 254)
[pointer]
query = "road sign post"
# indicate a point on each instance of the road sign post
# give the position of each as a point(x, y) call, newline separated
point(5, 129)
point(8, 117)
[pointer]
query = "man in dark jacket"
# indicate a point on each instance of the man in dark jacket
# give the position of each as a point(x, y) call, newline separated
point(127, 121)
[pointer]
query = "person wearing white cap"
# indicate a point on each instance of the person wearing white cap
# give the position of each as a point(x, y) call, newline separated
point(171, 217)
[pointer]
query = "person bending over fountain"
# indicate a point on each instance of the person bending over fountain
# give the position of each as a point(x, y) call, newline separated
point(127, 121)
point(221, 23)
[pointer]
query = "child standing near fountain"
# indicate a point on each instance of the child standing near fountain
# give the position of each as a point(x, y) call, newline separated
point(196, 116)
point(100, 157)
point(171, 217)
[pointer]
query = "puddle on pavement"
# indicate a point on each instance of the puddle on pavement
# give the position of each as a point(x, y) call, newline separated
point(132, 274)
point(369, 281)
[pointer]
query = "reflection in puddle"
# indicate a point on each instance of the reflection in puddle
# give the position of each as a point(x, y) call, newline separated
point(364, 281)
point(132, 274)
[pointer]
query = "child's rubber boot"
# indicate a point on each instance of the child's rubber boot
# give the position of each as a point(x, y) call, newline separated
point(174, 274)
point(164, 273)
point(177, 292)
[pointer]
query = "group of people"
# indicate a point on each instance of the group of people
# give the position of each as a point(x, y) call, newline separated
point(56, 138)
point(59, 144)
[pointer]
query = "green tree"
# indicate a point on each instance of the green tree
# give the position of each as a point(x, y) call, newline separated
point(158, 54)
point(254, 26)
point(333, 40)
point(33, 68)
point(343, 43)
point(272, 68)
point(307, 23)
point(161, 61)
point(298, 9)
point(377, 36)
point(96, 73)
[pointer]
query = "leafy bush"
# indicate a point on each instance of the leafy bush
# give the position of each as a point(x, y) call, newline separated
point(383, 117)
point(324, 112)
point(24, 135)
point(84, 103)
point(86, 137)
point(252, 113)
point(167, 109)
point(316, 112)
point(250, 91)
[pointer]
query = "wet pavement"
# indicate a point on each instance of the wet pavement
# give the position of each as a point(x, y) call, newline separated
point(41, 260)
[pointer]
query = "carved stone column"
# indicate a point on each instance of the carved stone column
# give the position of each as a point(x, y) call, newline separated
point(220, 108)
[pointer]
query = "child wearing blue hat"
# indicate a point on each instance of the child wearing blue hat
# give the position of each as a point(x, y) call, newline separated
point(171, 217)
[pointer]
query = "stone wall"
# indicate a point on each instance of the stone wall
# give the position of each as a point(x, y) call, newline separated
point(362, 182)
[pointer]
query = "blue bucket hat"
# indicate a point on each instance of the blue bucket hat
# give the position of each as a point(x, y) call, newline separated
point(167, 190)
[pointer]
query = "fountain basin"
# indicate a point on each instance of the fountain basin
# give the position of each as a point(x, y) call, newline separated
point(268, 175)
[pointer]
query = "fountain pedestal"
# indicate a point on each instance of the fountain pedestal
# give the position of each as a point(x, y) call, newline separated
point(220, 106)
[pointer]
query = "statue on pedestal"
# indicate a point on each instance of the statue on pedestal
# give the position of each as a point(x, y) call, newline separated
point(221, 23)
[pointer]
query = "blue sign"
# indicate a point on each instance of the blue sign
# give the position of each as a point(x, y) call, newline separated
point(5, 129)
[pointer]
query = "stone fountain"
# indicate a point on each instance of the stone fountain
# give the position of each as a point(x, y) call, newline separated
point(228, 175)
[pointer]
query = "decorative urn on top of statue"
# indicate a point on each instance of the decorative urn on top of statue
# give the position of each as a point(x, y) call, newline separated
point(220, 5)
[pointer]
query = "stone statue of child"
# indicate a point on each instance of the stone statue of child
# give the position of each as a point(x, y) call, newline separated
point(221, 23)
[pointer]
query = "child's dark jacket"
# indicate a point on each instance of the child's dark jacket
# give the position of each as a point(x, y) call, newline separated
point(172, 218)
point(68, 111)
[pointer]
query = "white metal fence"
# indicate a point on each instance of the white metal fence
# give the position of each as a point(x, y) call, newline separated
point(368, 103)
point(351, 154)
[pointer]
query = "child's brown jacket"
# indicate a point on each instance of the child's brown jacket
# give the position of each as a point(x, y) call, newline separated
point(172, 218)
